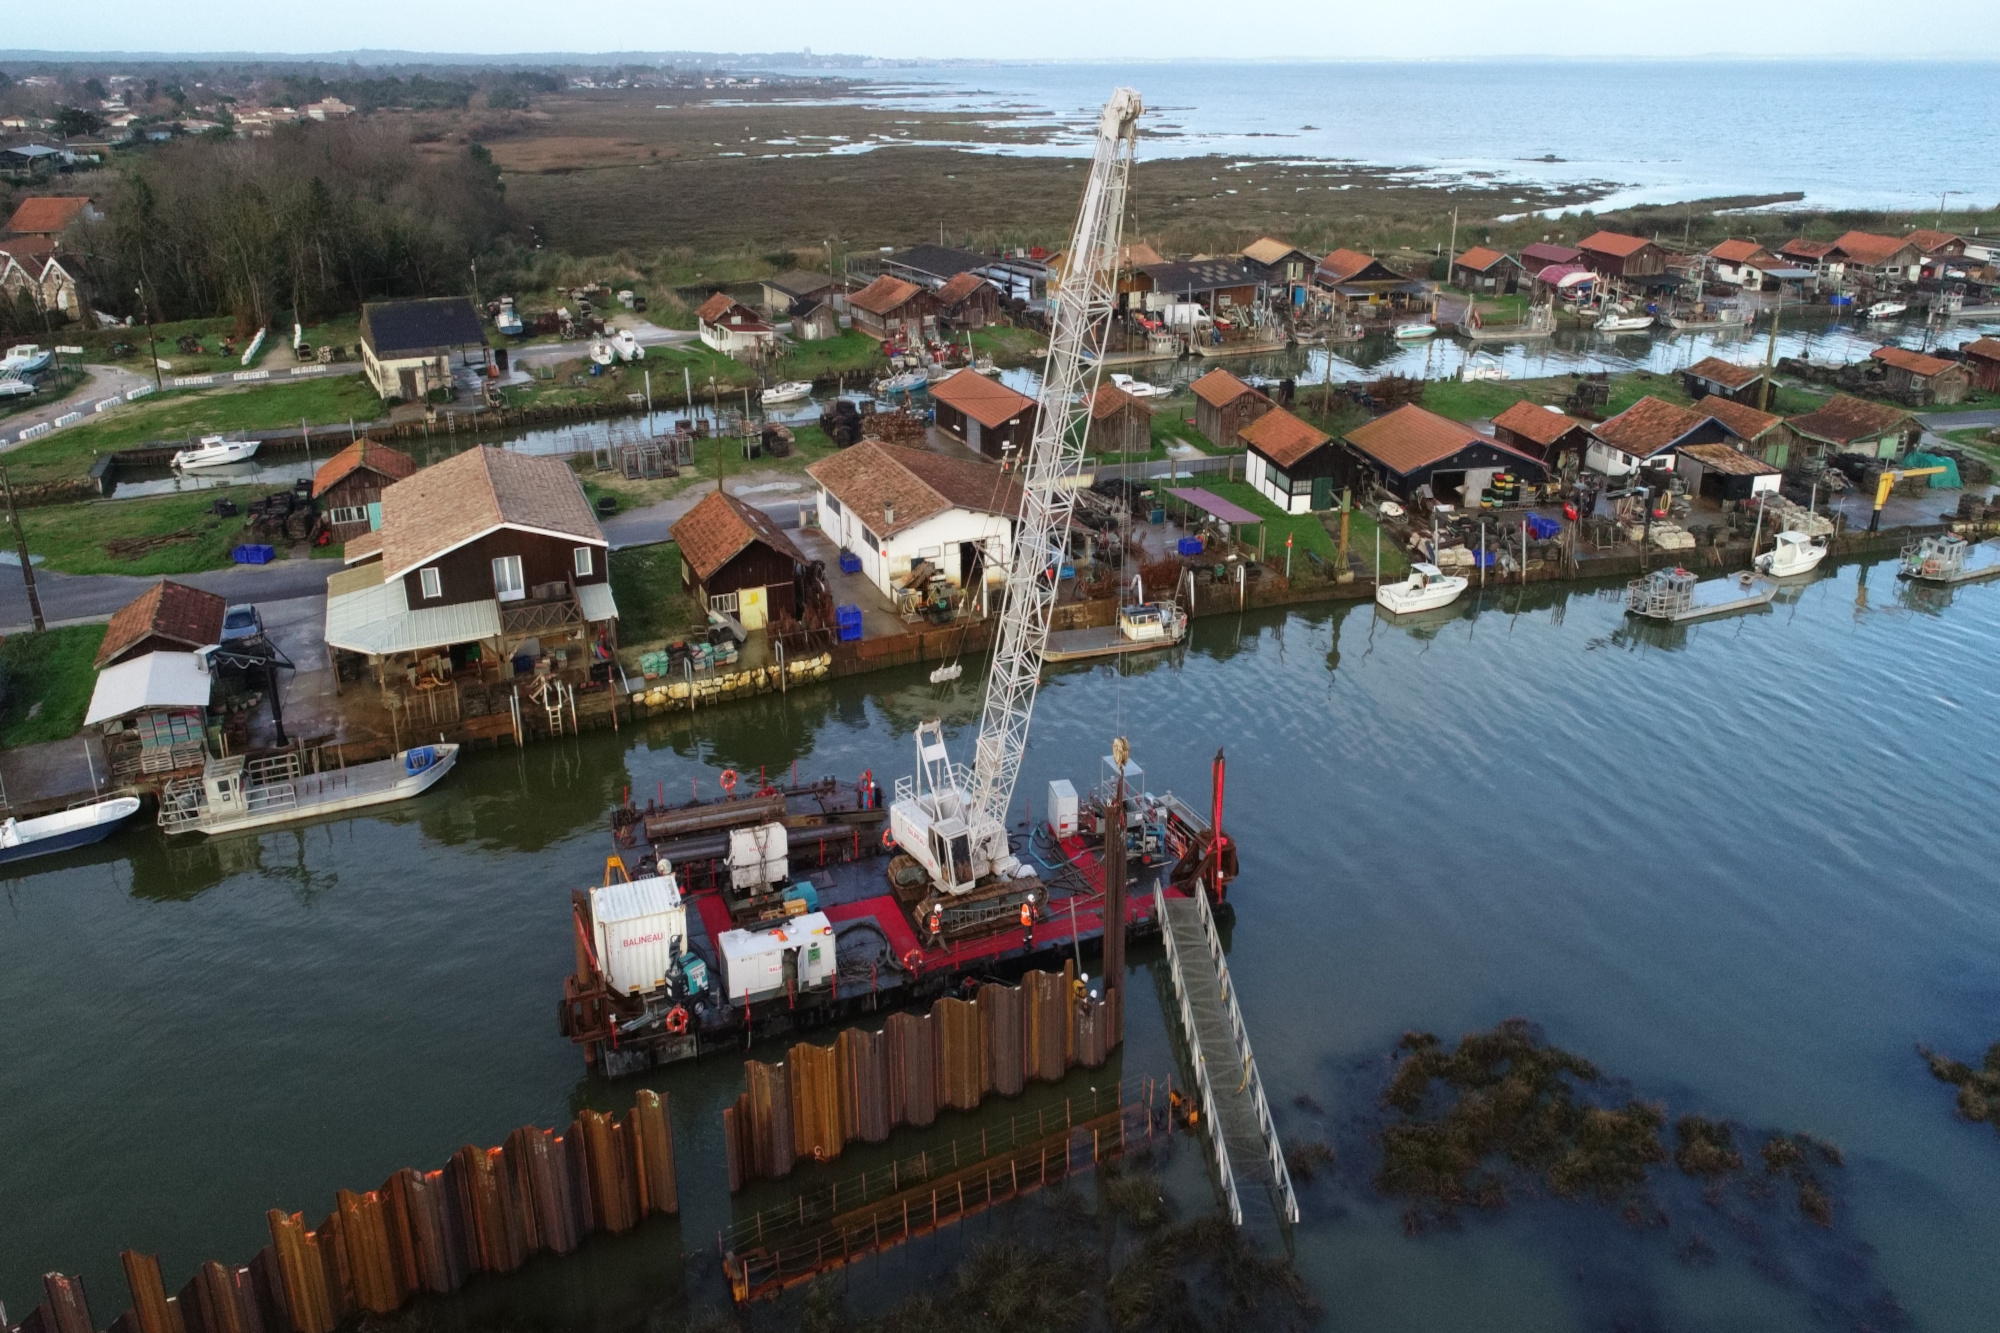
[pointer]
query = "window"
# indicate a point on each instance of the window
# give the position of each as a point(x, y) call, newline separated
point(723, 601)
point(433, 586)
point(507, 584)
point(831, 503)
point(874, 542)
point(583, 565)
point(347, 514)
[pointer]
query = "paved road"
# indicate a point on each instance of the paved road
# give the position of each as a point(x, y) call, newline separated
point(1942, 421)
point(78, 598)
point(99, 382)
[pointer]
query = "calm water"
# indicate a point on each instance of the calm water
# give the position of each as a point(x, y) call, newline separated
point(1742, 866)
point(1639, 131)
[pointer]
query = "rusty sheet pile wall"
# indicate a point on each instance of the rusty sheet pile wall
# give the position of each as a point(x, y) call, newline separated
point(487, 1211)
point(865, 1084)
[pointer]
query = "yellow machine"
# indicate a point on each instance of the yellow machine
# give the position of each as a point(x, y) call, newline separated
point(1887, 483)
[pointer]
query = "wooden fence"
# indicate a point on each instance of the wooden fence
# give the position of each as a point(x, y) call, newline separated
point(487, 1211)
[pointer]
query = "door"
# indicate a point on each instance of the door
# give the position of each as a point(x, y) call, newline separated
point(507, 583)
point(1322, 493)
point(752, 607)
point(406, 383)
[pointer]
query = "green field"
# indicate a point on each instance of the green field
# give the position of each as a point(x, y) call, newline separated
point(49, 678)
point(333, 400)
point(100, 345)
point(652, 609)
point(72, 539)
point(1309, 532)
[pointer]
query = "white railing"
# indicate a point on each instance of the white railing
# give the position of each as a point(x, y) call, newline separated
point(140, 392)
point(242, 375)
point(1222, 1167)
point(106, 404)
point(193, 381)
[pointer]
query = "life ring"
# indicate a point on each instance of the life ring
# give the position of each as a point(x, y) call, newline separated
point(729, 779)
point(913, 961)
point(888, 839)
point(677, 1019)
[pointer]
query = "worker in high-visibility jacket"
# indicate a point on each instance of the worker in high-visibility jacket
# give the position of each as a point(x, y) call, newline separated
point(1027, 923)
point(937, 923)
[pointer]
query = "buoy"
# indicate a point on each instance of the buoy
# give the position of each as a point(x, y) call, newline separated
point(888, 839)
point(729, 779)
point(677, 1019)
point(913, 961)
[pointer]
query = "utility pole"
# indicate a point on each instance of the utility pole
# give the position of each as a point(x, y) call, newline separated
point(1770, 356)
point(475, 284)
point(21, 547)
point(152, 344)
point(1451, 253)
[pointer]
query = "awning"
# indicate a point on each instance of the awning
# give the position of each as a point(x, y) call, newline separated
point(597, 602)
point(1215, 506)
point(378, 621)
point(157, 680)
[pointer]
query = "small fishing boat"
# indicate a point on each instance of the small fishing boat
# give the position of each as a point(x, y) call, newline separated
point(1414, 332)
point(904, 383)
point(1426, 589)
point(791, 391)
point(13, 386)
point(1949, 559)
point(214, 451)
point(26, 359)
point(508, 321)
point(238, 793)
point(626, 344)
point(1141, 626)
point(1796, 554)
point(78, 826)
point(985, 366)
point(1482, 368)
point(1138, 388)
point(1617, 319)
point(601, 353)
point(1676, 596)
point(1885, 310)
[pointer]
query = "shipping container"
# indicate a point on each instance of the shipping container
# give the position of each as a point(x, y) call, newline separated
point(754, 962)
point(641, 931)
point(758, 857)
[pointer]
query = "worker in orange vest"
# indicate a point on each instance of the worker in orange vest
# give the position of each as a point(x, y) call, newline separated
point(1027, 923)
point(937, 923)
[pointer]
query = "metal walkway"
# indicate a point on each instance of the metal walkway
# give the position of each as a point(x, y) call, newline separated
point(1247, 1152)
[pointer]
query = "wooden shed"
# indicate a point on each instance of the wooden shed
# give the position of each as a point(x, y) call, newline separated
point(968, 301)
point(1117, 423)
point(1714, 377)
point(1224, 405)
point(984, 413)
point(1555, 437)
point(891, 309)
point(1761, 434)
point(735, 559)
point(1616, 255)
point(348, 486)
point(1411, 448)
point(1483, 269)
point(1921, 380)
point(1982, 363)
point(168, 617)
point(1292, 463)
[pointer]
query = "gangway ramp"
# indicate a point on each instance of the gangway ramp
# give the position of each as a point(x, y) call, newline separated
point(1248, 1156)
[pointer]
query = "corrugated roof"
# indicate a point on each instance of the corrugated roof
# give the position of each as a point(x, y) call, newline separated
point(1648, 426)
point(960, 287)
point(883, 295)
point(405, 328)
point(1410, 437)
point(716, 530)
point(154, 680)
point(1480, 258)
point(167, 610)
point(1202, 275)
point(1844, 419)
point(1902, 358)
point(448, 504)
point(363, 453)
point(987, 401)
point(1282, 437)
point(1744, 421)
point(872, 476)
point(1726, 373)
point(1740, 252)
point(1613, 243)
point(1728, 458)
point(1540, 424)
point(48, 214)
point(378, 621)
point(939, 261)
point(1219, 388)
point(596, 602)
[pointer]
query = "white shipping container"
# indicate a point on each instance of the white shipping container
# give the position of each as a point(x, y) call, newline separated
point(1062, 808)
point(753, 961)
point(758, 856)
point(641, 929)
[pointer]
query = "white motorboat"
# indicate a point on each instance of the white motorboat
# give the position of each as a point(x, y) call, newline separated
point(791, 391)
point(214, 451)
point(78, 826)
point(26, 359)
point(508, 321)
point(1427, 588)
point(13, 386)
point(1414, 332)
point(903, 383)
point(237, 793)
point(1137, 388)
point(601, 353)
point(626, 344)
point(1795, 554)
point(1616, 319)
point(1482, 368)
point(1885, 310)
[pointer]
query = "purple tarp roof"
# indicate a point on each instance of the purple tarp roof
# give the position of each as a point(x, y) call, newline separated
point(1215, 505)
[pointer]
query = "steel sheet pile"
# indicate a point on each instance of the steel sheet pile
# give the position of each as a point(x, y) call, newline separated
point(866, 1083)
point(487, 1211)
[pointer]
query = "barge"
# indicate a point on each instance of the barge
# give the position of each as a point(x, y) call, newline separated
point(1677, 596)
point(1948, 560)
point(790, 908)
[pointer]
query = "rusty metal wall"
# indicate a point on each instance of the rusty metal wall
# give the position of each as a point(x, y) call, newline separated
point(1002, 1035)
point(912, 1069)
point(817, 1129)
point(486, 1211)
point(865, 1085)
point(961, 1053)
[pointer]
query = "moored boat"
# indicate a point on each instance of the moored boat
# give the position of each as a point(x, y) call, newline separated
point(790, 391)
point(1141, 626)
point(214, 451)
point(1414, 332)
point(1676, 596)
point(1426, 589)
point(1616, 319)
point(1796, 554)
point(238, 793)
point(1885, 310)
point(78, 826)
point(1949, 559)
point(1137, 388)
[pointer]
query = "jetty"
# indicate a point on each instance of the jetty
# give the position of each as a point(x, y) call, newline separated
point(1247, 1151)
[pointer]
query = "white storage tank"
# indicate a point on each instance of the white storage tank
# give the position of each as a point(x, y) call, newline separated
point(758, 856)
point(1062, 808)
point(754, 961)
point(641, 928)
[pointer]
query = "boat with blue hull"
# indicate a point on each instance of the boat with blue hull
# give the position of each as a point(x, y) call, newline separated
point(78, 826)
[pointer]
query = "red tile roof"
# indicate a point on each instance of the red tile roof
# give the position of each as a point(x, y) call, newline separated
point(444, 506)
point(987, 401)
point(1843, 420)
point(48, 214)
point(1344, 265)
point(1409, 437)
point(883, 295)
point(960, 287)
point(1543, 253)
point(1802, 248)
point(1109, 400)
point(1868, 248)
point(1726, 373)
point(1986, 349)
point(1648, 426)
point(30, 252)
point(167, 610)
point(1740, 252)
point(1282, 437)
point(1613, 243)
point(714, 308)
point(715, 532)
point(1219, 388)
point(1480, 258)
point(1539, 424)
point(1902, 358)
point(872, 476)
point(1930, 242)
point(364, 453)
point(1745, 421)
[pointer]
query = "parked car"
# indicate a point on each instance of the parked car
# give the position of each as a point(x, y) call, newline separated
point(241, 622)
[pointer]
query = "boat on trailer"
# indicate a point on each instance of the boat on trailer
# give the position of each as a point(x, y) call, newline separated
point(78, 826)
point(239, 793)
point(1949, 559)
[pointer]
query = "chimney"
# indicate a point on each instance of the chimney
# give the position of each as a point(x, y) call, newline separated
point(888, 513)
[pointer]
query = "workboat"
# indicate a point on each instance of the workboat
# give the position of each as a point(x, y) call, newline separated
point(1426, 589)
point(1616, 319)
point(906, 382)
point(791, 391)
point(601, 353)
point(26, 359)
point(78, 826)
point(1141, 626)
point(1885, 310)
point(626, 344)
point(1795, 554)
point(1727, 317)
point(1137, 388)
point(214, 451)
point(1414, 332)
point(1676, 596)
point(1949, 559)
point(240, 793)
point(508, 321)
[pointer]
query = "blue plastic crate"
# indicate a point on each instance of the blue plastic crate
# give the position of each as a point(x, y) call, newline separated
point(850, 563)
point(1543, 529)
point(251, 554)
point(1188, 546)
point(848, 620)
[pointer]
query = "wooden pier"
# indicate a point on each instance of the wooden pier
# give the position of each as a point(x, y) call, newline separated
point(1247, 1151)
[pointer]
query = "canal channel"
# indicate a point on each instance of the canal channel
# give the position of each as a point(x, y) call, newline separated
point(1741, 866)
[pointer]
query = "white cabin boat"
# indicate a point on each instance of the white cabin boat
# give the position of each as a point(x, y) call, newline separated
point(1676, 596)
point(1141, 626)
point(1138, 388)
point(1616, 319)
point(1414, 332)
point(508, 321)
point(626, 345)
point(1885, 310)
point(1796, 554)
point(26, 359)
point(235, 794)
point(214, 451)
point(906, 382)
point(1426, 589)
point(791, 391)
point(1949, 559)
point(78, 826)
point(600, 352)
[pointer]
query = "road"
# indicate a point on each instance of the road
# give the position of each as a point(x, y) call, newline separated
point(79, 598)
point(100, 382)
point(1944, 421)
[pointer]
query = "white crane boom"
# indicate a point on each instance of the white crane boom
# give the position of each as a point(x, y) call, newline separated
point(952, 821)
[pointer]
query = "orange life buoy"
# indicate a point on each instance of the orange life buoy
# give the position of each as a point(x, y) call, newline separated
point(677, 1019)
point(888, 839)
point(912, 961)
point(729, 779)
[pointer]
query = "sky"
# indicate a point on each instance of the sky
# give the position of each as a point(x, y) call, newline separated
point(1038, 29)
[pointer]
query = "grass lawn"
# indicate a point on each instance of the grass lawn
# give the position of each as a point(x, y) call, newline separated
point(181, 416)
point(652, 609)
point(276, 352)
point(1466, 401)
point(812, 445)
point(851, 354)
point(72, 538)
point(1010, 346)
point(49, 677)
point(1309, 532)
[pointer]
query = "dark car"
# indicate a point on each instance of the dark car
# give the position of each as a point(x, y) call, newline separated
point(241, 622)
